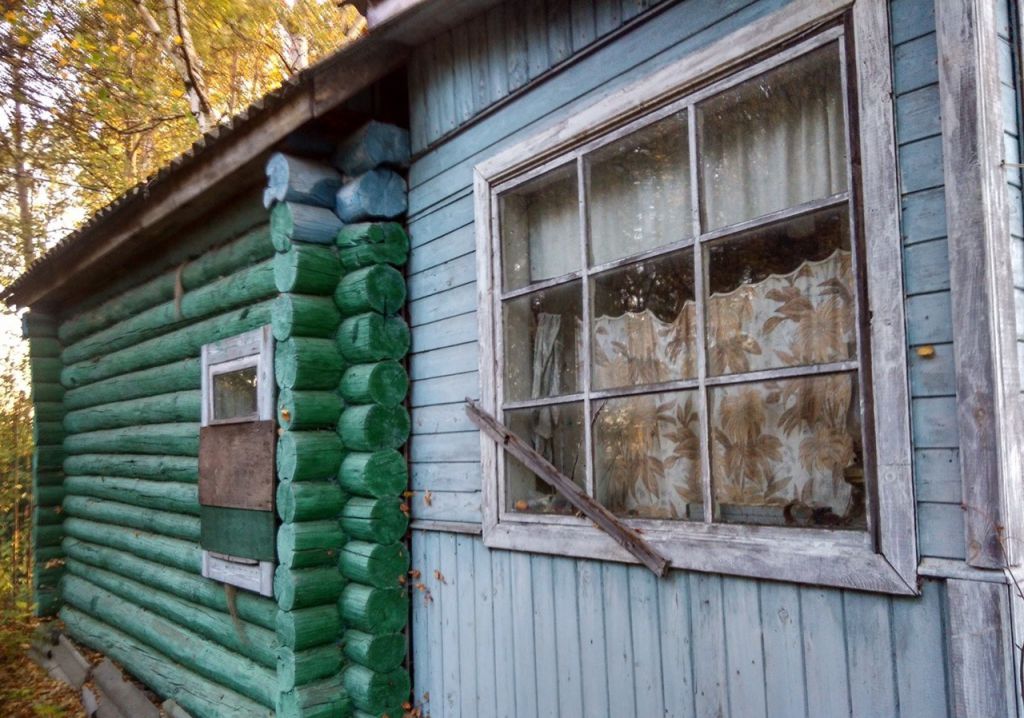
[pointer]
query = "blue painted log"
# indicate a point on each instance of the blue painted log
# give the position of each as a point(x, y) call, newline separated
point(375, 144)
point(293, 222)
point(378, 194)
point(292, 179)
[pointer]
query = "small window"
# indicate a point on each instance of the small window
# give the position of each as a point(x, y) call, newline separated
point(681, 323)
point(237, 474)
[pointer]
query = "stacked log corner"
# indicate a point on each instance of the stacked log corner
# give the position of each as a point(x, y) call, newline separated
point(340, 585)
point(47, 473)
point(131, 380)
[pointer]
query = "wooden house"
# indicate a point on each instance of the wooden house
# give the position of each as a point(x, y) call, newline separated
point(743, 275)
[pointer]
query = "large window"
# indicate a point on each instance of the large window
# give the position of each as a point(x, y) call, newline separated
point(680, 321)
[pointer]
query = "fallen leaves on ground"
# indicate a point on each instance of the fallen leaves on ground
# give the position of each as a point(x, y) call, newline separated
point(26, 691)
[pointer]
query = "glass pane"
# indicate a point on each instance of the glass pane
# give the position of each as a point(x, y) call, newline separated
point(542, 343)
point(557, 433)
point(782, 295)
point(644, 322)
point(775, 141)
point(647, 455)
point(639, 191)
point(789, 452)
point(234, 394)
point(540, 228)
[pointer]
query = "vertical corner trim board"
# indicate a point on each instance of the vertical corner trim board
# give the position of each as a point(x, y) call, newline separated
point(981, 649)
point(340, 588)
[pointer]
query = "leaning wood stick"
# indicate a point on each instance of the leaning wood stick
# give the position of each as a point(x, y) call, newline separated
point(605, 520)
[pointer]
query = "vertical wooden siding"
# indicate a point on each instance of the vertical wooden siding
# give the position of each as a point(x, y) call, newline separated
point(1009, 80)
point(510, 634)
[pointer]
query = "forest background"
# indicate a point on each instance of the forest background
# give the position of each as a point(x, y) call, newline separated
point(96, 96)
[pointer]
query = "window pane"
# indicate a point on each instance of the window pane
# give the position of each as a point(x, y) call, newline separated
point(542, 343)
point(234, 394)
point(644, 323)
point(788, 452)
point(639, 191)
point(557, 433)
point(540, 228)
point(647, 455)
point(782, 296)
point(775, 141)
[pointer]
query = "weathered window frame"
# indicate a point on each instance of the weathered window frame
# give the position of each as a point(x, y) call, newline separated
point(252, 349)
point(881, 559)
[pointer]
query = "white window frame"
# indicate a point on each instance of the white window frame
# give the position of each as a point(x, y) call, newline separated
point(884, 558)
point(252, 349)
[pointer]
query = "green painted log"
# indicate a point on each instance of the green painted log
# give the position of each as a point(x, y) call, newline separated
point(371, 337)
point(380, 519)
point(48, 515)
point(307, 501)
point(375, 144)
point(39, 347)
point(307, 363)
point(177, 643)
point(185, 555)
point(47, 432)
point(160, 409)
point(309, 543)
point(381, 473)
point(303, 315)
point(360, 245)
point(381, 565)
point(49, 410)
point(384, 383)
point(183, 584)
point(200, 696)
point(48, 495)
point(295, 179)
point(172, 496)
point(302, 223)
point(377, 288)
point(374, 610)
point(180, 439)
point(374, 692)
point(118, 514)
point(47, 535)
point(157, 468)
point(37, 324)
point(47, 458)
point(51, 575)
point(307, 269)
point(48, 479)
point(372, 427)
point(325, 698)
point(377, 194)
point(380, 653)
point(247, 286)
point(296, 668)
point(252, 247)
point(47, 601)
point(175, 377)
point(305, 587)
point(249, 640)
point(46, 554)
point(302, 409)
point(47, 392)
point(173, 346)
point(308, 627)
point(308, 455)
point(45, 370)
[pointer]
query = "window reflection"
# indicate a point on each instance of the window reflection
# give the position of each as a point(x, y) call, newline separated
point(234, 394)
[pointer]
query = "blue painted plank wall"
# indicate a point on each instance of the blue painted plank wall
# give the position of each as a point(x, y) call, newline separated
point(443, 365)
point(510, 634)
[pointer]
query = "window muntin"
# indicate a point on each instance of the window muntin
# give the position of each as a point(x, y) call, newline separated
point(664, 335)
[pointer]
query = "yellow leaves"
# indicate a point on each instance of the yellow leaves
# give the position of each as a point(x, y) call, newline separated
point(178, 40)
point(24, 39)
point(11, 16)
point(74, 44)
point(133, 36)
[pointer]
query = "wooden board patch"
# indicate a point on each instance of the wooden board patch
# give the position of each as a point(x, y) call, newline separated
point(236, 465)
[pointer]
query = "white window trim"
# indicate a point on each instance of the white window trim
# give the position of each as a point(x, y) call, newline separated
point(884, 559)
point(253, 348)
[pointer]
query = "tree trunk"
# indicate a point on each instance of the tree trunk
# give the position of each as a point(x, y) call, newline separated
point(22, 175)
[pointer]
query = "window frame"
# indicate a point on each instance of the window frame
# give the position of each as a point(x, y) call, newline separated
point(254, 348)
point(883, 558)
